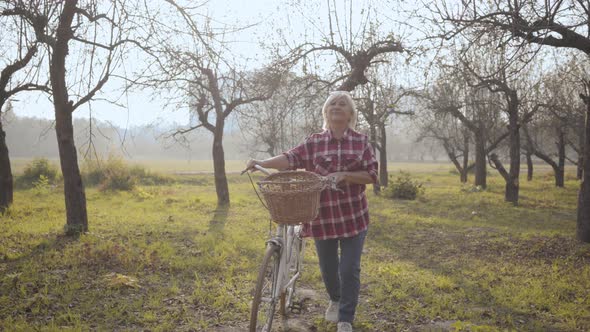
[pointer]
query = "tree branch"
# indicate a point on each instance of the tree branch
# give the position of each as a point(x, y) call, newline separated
point(9, 70)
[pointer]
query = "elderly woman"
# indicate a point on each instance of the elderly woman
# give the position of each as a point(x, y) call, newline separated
point(340, 152)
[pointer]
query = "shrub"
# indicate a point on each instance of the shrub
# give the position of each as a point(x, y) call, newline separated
point(115, 174)
point(403, 187)
point(35, 170)
point(93, 172)
point(110, 174)
point(118, 179)
point(41, 186)
point(148, 178)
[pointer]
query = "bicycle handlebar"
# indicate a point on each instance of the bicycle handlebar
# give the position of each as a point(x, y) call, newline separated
point(327, 181)
point(262, 169)
point(258, 167)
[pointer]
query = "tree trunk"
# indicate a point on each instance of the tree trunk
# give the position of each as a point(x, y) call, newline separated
point(512, 184)
point(580, 168)
point(271, 148)
point(376, 147)
point(480, 160)
point(464, 176)
point(583, 222)
point(498, 164)
point(529, 152)
point(464, 169)
point(75, 197)
point(356, 77)
point(559, 166)
point(529, 164)
point(451, 154)
point(6, 180)
point(221, 186)
point(560, 171)
point(383, 175)
point(455, 162)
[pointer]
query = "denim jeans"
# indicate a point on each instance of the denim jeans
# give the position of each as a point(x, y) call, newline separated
point(341, 273)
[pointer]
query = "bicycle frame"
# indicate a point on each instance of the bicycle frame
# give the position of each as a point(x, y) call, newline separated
point(288, 234)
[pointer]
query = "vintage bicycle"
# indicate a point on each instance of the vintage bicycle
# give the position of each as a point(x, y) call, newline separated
point(292, 197)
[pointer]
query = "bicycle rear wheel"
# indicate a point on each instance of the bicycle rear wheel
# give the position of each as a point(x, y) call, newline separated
point(263, 304)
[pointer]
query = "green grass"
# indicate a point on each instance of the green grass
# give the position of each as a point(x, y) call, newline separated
point(162, 258)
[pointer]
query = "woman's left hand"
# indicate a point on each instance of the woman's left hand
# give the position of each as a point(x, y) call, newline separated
point(339, 177)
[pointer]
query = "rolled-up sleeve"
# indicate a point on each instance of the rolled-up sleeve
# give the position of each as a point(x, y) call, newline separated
point(300, 156)
point(369, 162)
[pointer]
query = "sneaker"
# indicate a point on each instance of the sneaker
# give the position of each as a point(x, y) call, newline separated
point(344, 327)
point(332, 312)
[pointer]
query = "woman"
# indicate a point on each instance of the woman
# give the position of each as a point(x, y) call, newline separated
point(340, 152)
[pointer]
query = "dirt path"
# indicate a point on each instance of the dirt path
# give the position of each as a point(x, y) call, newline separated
point(309, 305)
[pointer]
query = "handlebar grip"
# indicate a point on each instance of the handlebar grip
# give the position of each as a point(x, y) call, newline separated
point(262, 169)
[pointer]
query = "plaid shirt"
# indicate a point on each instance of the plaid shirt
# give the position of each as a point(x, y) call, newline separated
point(342, 214)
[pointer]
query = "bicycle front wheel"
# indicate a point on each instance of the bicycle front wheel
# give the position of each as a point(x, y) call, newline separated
point(264, 304)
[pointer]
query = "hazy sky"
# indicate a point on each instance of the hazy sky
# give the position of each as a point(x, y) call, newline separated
point(299, 20)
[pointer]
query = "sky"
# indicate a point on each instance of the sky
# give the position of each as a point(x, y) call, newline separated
point(298, 21)
point(141, 108)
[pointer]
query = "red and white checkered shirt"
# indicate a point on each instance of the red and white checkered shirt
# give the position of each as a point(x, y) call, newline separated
point(342, 214)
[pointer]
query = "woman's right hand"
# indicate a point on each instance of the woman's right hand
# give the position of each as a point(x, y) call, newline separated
point(276, 162)
point(250, 165)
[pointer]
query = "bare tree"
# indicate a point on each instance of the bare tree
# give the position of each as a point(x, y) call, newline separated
point(501, 85)
point(454, 92)
point(197, 68)
point(449, 132)
point(568, 79)
point(381, 99)
point(560, 24)
point(550, 127)
point(24, 50)
point(356, 50)
point(559, 165)
point(66, 28)
point(219, 95)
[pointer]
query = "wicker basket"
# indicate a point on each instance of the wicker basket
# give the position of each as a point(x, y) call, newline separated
point(292, 197)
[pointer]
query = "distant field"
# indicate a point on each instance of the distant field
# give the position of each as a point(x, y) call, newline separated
point(233, 166)
point(162, 165)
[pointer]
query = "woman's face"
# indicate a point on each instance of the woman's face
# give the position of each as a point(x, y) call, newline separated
point(339, 112)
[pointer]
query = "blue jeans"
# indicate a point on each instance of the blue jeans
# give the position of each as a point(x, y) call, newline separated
point(341, 274)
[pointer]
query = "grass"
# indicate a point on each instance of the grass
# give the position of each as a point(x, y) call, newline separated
point(163, 258)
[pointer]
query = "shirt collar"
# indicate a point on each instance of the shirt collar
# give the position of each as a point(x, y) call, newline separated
point(331, 137)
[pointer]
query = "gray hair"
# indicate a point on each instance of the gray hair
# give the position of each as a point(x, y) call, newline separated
point(337, 95)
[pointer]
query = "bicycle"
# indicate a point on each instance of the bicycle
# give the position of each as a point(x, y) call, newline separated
point(281, 265)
